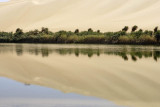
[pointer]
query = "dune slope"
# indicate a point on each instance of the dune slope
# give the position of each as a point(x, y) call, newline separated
point(107, 15)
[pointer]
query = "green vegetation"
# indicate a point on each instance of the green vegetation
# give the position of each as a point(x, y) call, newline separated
point(89, 37)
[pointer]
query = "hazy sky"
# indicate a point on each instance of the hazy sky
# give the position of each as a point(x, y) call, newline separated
point(3, 0)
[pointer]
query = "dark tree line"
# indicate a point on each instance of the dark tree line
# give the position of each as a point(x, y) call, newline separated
point(135, 36)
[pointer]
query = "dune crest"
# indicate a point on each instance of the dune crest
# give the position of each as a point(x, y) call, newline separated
point(107, 15)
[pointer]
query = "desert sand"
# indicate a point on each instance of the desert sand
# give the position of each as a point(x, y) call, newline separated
point(106, 15)
point(108, 77)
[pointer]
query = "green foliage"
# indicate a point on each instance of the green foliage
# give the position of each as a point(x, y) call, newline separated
point(89, 36)
point(137, 34)
point(157, 35)
point(45, 30)
point(35, 32)
point(146, 39)
point(126, 40)
point(90, 30)
point(6, 34)
point(140, 30)
point(73, 39)
point(146, 32)
point(93, 39)
point(19, 32)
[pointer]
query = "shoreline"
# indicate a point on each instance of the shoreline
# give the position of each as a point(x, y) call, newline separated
point(79, 43)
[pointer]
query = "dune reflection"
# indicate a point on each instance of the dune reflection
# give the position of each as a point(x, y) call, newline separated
point(108, 77)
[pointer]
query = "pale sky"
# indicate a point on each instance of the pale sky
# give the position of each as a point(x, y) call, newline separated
point(3, 0)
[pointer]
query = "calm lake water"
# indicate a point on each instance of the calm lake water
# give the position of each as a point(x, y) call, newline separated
point(49, 75)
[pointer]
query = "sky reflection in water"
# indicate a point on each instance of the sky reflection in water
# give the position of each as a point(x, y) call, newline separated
point(15, 94)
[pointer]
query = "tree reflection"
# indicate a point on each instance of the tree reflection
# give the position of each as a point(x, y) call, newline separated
point(19, 50)
point(134, 54)
point(126, 55)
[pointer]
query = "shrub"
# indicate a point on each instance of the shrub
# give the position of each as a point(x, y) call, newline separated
point(126, 40)
point(157, 36)
point(72, 39)
point(147, 39)
point(62, 39)
point(94, 39)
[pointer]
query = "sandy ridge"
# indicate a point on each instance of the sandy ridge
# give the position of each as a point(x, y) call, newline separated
point(107, 15)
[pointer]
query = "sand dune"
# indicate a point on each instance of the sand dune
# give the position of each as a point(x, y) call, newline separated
point(125, 83)
point(107, 15)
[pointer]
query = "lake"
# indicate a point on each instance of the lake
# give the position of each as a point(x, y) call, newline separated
point(69, 75)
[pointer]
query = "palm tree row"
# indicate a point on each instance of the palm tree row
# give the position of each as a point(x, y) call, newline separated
point(90, 36)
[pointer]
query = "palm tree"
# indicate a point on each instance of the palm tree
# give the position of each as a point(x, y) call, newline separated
point(90, 30)
point(98, 31)
point(134, 28)
point(76, 31)
point(155, 29)
point(125, 29)
point(18, 32)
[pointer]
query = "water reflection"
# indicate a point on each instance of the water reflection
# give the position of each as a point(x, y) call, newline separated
point(126, 52)
point(20, 95)
point(103, 75)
